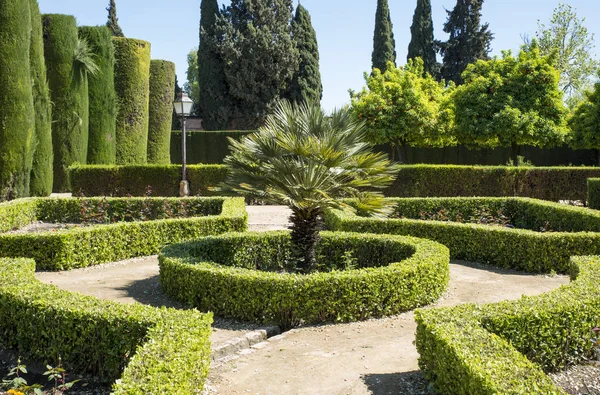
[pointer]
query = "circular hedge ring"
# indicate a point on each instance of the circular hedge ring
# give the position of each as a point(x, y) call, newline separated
point(243, 275)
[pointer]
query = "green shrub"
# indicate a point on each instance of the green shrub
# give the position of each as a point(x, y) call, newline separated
point(208, 147)
point(576, 231)
point(473, 349)
point(17, 124)
point(162, 90)
point(132, 84)
point(158, 180)
point(90, 335)
point(41, 172)
point(382, 275)
point(85, 246)
point(101, 147)
point(593, 186)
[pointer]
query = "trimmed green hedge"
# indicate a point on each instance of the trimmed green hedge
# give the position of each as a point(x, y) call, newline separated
point(41, 172)
point(239, 275)
point(575, 230)
point(101, 147)
point(499, 348)
point(548, 183)
point(593, 186)
point(132, 84)
point(157, 180)
point(85, 246)
point(208, 147)
point(17, 119)
point(162, 90)
point(170, 348)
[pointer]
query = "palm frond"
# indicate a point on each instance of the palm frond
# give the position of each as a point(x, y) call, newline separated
point(83, 59)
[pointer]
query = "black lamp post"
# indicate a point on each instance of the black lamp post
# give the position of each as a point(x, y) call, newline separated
point(183, 107)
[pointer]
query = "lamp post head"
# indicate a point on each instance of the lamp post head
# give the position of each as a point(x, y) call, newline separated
point(183, 105)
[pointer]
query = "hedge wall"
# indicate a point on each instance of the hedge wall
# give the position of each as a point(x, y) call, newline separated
point(573, 231)
point(41, 172)
point(17, 120)
point(155, 351)
point(69, 95)
point(155, 180)
point(85, 246)
point(209, 147)
point(548, 183)
point(499, 348)
point(103, 111)
point(162, 90)
point(593, 185)
point(362, 276)
point(132, 84)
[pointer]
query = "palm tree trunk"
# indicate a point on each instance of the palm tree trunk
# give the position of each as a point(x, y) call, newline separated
point(305, 227)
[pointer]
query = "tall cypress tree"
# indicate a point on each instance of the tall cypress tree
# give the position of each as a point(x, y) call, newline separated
point(384, 45)
point(421, 43)
point(469, 41)
point(113, 21)
point(213, 106)
point(306, 83)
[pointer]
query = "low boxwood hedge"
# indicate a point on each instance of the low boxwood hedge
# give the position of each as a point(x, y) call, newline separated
point(573, 230)
point(593, 187)
point(85, 246)
point(504, 348)
point(240, 275)
point(152, 350)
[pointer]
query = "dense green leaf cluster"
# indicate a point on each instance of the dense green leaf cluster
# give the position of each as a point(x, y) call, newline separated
point(585, 122)
point(384, 45)
point(422, 44)
point(207, 147)
point(242, 275)
point(499, 348)
point(162, 89)
point(593, 197)
point(160, 350)
point(113, 21)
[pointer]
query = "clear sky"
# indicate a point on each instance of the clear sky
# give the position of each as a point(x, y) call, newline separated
point(344, 29)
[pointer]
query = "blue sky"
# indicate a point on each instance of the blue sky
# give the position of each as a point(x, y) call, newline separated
point(344, 29)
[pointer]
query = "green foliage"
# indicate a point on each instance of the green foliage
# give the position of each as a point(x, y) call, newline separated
point(17, 119)
point(499, 348)
point(41, 172)
point(113, 21)
point(103, 110)
point(469, 41)
point(585, 122)
point(162, 88)
point(510, 101)
point(422, 44)
point(576, 231)
point(100, 337)
point(134, 180)
point(254, 40)
point(86, 246)
point(132, 84)
point(306, 83)
point(191, 86)
point(16, 214)
point(404, 106)
point(593, 186)
point(239, 275)
point(384, 45)
point(206, 147)
point(69, 95)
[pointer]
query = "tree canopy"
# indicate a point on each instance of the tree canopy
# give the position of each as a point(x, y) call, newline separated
point(113, 21)
point(384, 45)
point(422, 44)
point(191, 86)
point(585, 122)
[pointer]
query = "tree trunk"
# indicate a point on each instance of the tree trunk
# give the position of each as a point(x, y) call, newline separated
point(515, 151)
point(305, 227)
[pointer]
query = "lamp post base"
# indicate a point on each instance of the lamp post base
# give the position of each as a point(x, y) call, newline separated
point(184, 188)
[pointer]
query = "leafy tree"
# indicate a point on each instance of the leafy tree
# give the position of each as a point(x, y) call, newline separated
point(422, 44)
point(469, 41)
point(308, 160)
point(585, 123)
point(255, 42)
point(191, 86)
point(384, 45)
point(113, 21)
point(404, 106)
point(306, 83)
point(511, 101)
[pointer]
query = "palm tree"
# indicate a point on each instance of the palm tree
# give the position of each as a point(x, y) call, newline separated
point(309, 161)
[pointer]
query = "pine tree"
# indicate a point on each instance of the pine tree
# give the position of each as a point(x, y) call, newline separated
point(422, 44)
point(113, 21)
point(306, 83)
point(213, 106)
point(384, 46)
point(469, 41)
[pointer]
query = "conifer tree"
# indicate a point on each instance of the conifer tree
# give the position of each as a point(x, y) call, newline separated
point(306, 83)
point(113, 21)
point(469, 41)
point(422, 44)
point(384, 45)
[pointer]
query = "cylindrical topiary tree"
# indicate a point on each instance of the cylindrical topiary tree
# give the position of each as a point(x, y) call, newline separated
point(162, 89)
point(41, 173)
point(17, 121)
point(132, 84)
point(102, 96)
point(69, 94)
